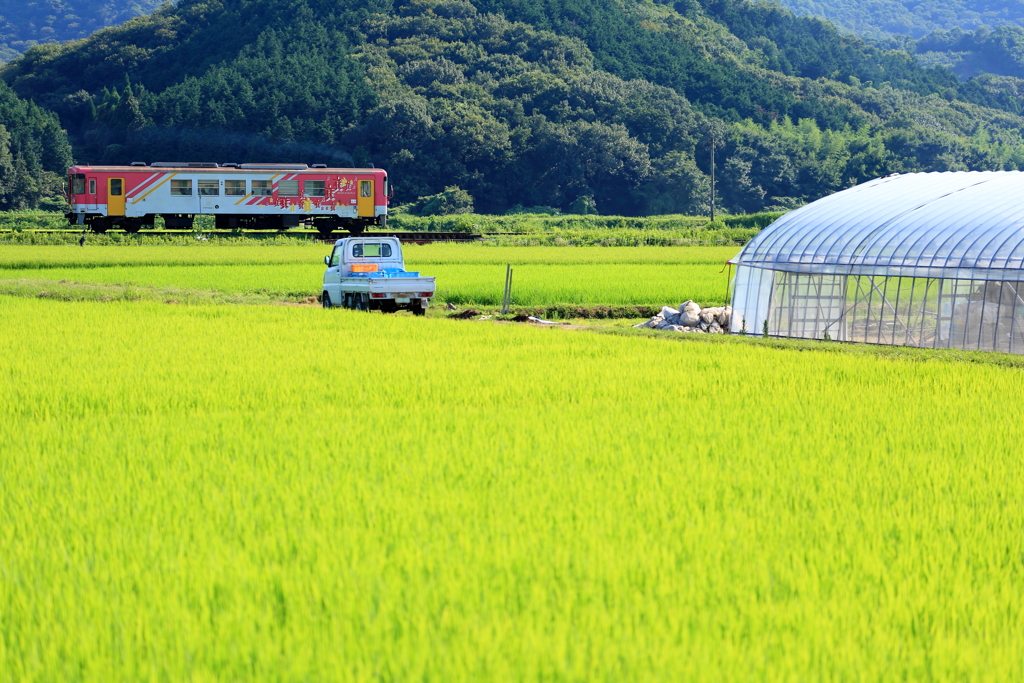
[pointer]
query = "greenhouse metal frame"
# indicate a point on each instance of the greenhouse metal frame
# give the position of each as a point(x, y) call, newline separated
point(931, 260)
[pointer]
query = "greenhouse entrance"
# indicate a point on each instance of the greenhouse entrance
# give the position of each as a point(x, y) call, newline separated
point(933, 260)
point(923, 312)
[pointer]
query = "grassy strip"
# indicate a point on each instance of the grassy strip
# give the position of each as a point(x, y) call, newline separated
point(880, 351)
point(99, 291)
point(527, 223)
point(511, 230)
point(122, 239)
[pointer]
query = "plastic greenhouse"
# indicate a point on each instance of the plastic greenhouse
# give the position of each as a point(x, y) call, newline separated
point(926, 259)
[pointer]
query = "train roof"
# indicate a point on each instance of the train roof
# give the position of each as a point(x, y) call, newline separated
point(202, 167)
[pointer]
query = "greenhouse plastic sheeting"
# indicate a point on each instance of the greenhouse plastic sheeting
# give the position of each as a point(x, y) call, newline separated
point(959, 225)
point(925, 259)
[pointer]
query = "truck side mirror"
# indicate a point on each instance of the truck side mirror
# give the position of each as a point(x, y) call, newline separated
point(327, 260)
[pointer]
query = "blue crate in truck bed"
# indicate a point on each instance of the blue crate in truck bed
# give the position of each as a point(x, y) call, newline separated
point(387, 272)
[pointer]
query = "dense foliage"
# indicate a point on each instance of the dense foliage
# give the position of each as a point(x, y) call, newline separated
point(973, 38)
point(970, 53)
point(24, 24)
point(909, 17)
point(34, 152)
point(557, 104)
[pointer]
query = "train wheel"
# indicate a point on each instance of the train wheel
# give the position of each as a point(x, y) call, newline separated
point(131, 227)
point(100, 226)
point(325, 228)
point(326, 300)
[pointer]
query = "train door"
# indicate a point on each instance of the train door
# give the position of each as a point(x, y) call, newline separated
point(365, 206)
point(115, 196)
point(209, 194)
point(92, 201)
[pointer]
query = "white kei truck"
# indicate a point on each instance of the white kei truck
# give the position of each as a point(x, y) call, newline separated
point(368, 273)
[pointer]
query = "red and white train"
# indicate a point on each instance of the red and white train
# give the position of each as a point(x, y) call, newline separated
point(240, 196)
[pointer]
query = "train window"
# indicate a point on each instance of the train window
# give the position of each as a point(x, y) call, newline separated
point(372, 250)
point(116, 188)
point(234, 188)
point(262, 188)
point(92, 186)
point(365, 188)
point(181, 188)
point(288, 188)
point(209, 188)
point(314, 188)
point(79, 184)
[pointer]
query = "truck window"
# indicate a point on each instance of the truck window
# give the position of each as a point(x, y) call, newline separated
point(336, 257)
point(371, 250)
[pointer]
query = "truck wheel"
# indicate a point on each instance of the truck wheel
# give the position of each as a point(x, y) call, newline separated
point(417, 308)
point(347, 301)
point(326, 300)
point(361, 303)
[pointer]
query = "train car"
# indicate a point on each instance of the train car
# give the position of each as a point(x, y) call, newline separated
point(240, 196)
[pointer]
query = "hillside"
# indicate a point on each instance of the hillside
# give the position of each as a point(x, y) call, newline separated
point(24, 24)
point(970, 38)
point(881, 18)
point(528, 102)
point(34, 153)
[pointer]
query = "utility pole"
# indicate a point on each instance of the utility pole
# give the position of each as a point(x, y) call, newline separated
point(712, 178)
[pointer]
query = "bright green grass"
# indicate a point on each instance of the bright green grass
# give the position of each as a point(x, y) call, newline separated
point(466, 273)
point(291, 494)
point(26, 257)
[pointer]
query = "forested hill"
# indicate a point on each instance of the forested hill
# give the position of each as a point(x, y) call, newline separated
point(880, 18)
point(971, 37)
point(34, 153)
point(25, 23)
point(524, 102)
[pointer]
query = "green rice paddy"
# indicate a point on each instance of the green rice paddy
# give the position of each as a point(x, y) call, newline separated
point(466, 273)
point(255, 493)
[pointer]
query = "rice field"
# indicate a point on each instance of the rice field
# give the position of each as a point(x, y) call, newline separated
point(467, 274)
point(262, 493)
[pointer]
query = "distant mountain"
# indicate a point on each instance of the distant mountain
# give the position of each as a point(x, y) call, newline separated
point(26, 23)
point(525, 102)
point(971, 37)
point(883, 18)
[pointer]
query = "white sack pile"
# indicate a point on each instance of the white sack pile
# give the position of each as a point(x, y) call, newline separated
point(691, 318)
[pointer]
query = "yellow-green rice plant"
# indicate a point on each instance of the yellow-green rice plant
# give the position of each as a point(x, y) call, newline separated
point(293, 494)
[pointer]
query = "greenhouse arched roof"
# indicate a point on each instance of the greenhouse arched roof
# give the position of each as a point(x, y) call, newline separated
point(966, 225)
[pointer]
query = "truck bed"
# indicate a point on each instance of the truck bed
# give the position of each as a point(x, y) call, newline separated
point(388, 285)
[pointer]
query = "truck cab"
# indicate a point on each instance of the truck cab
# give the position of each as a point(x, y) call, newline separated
point(368, 273)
